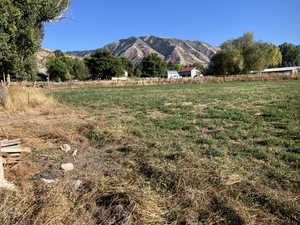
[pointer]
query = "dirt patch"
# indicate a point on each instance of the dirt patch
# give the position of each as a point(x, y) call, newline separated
point(158, 114)
point(187, 103)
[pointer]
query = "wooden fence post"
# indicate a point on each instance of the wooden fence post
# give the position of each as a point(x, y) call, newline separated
point(1, 169)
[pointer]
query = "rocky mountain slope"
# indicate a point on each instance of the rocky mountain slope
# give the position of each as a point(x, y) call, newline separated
point(41, 58)
point(170, 49)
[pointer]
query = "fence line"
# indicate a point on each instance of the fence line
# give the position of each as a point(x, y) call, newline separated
point(160, 81)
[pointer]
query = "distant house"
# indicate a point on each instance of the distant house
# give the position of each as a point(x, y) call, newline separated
point(283, 70)
point(173, 74)
point(190, 72)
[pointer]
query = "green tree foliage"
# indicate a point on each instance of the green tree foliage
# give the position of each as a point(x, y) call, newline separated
point(79, 70)
point(57, 69)
point(21, 32)
point(198, 65)
point(63, 68)
point(127, 65)
point(290, 54)
point(171, 66)
point(177, 67)
point(58, 53)
point(243, 55)
point(153, 66)
point(226, 62)
point(137, 72)
point(102, 64)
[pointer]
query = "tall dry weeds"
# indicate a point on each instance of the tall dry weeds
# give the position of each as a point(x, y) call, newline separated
point(23, 99)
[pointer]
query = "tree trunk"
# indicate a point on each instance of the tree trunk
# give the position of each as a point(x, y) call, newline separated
point(1, 170)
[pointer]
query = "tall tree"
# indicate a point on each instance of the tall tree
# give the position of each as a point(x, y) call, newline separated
point(244, 54)
point(226, 62)
point(21, 32)
point(290, 54)
point(127, 65)
point(102, 64)
point(153, 66)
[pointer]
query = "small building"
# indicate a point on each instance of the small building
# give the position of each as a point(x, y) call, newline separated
point(43, 76)
point(173, 74)
point(190, 72)
point(283, 70)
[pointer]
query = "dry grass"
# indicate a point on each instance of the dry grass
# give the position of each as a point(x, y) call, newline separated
point(23, 99)
point(98, 201)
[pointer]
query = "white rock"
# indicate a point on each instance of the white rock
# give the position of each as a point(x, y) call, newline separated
point(49, 181)
point(67, 167)
point(7, 185)
point(75, 153)
point(66, 148)
point(77, 184)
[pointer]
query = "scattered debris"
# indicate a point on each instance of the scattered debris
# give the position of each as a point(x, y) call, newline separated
point(12, 151)
point(44, 176)
point(66, 148)
point(67, 167)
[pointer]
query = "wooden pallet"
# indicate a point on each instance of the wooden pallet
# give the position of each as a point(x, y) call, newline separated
point(11, 151)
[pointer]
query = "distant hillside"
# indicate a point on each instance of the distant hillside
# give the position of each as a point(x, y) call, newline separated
point(41, 58)
point(171, 49)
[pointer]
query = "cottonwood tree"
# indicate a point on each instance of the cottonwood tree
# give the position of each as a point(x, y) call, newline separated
point(22, 30)
point(226, 62)
point(153, 66)
point(243, 55)
point(103, 65)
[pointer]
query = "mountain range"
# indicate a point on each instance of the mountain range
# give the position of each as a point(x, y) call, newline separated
point(170, 49)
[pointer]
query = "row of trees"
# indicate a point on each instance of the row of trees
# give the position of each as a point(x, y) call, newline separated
point(103, 65)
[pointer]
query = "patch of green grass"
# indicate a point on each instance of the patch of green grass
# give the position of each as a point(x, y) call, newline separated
point(137, 132)
point(205, 141)
point(290, 157)
point(258, 153)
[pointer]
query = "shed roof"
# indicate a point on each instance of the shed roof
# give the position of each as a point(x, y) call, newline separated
point(280, 69)
point(188, 69)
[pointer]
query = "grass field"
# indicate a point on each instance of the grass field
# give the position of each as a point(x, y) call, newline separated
point(212, 153)
point(184, 154)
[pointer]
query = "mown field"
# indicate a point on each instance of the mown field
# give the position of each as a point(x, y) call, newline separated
point(212, 153)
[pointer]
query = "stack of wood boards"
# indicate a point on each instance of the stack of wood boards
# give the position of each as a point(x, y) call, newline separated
point(11, 151)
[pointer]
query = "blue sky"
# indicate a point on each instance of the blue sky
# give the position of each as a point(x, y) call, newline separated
point(91, 24)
